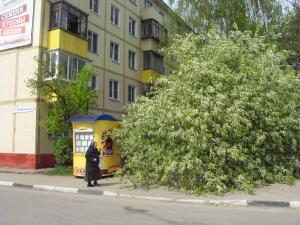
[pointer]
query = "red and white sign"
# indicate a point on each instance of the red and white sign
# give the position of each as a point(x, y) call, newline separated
point(15, 23)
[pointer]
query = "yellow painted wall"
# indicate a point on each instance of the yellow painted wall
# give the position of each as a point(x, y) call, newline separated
point(60, 39)
point(147, 74)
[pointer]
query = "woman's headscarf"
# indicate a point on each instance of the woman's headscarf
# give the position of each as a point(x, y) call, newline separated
point(91, 147)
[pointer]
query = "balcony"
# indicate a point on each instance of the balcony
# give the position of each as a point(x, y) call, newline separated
point(149, 76)
point(60, 39)
point(153, 29)
point(68, 29)
point(150, 13)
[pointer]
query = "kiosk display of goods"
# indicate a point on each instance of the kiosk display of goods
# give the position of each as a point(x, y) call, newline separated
point(88, 128)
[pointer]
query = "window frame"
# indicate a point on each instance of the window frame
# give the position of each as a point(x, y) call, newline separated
point(132, 94)
point(84, 137)
point(113, 51)
point(115, 12)
point(92, 6)
point(114, 91)
point(151, 28)
point(132, 60)
point(59, 55)
point(91, 42)
point(93, 84)
point(162, 14)
point(132, 27)
point(63, 15)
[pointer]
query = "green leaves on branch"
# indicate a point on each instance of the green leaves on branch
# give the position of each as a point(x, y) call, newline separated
point(228, 118)
point(59, 98)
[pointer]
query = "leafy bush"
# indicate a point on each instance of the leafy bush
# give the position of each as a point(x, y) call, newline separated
point(63, 151)
point(227, 118)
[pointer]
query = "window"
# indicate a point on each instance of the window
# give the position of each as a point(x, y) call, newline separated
point(65, 16)
point(132, 26)
point(95, 6)
point(75, 65)
point(114, 89)
point(70, 63)
point(148, 4)
point(83, 138)
point(132, 60)
point(131, 94)
point(153, 29)
point(114, 51)
point(51, 62)
point(94, 83)
point(92, 42)
point(153, 61)
point(115, 16)
point(162, 14)
point(133, 1)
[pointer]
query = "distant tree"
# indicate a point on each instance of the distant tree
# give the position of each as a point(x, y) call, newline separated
point(291, 34)
point(228, 118)
point(60, 99)
point(263, 15)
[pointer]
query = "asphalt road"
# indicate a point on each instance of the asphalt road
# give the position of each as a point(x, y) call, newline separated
point(36, 207)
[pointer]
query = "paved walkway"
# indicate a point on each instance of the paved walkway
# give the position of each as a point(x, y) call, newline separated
point(274, 195)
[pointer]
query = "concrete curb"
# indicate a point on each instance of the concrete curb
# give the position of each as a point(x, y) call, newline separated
point(269, 203)
point(290, 204)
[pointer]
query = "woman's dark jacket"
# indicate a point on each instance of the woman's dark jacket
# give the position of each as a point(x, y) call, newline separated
point(91, 165)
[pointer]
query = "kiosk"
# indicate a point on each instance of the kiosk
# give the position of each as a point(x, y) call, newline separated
point(88, 128)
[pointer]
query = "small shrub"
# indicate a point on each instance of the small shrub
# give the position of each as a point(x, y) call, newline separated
point(62, 150)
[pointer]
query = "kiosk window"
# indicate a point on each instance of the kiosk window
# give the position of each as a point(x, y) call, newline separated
point(83, 141)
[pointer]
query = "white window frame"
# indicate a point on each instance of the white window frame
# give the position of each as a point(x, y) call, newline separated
point(132, 27)
point(83, 139)
point(69, 58)
point(92, 42)
point(94, 83)
point(92, 6)
point(114, 89)
point(132, 60)
point(131, 94)
point(114, 51)
point(115, 16)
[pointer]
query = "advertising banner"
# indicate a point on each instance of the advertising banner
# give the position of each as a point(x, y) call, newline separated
point(15, 23)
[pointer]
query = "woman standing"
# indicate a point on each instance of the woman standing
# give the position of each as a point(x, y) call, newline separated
point(92, 170)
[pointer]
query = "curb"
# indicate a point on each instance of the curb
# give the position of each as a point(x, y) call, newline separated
point(269, 203)
point(290, 204)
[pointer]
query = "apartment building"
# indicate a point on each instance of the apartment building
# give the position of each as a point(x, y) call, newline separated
point(120, 38)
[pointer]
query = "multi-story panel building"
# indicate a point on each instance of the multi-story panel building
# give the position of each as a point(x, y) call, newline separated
point(120, 38)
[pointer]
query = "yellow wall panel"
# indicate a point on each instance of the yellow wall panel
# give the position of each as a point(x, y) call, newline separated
point(148, 76)
point(59, 39)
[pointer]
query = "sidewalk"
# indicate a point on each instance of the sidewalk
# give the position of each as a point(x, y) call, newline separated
point(275, 195)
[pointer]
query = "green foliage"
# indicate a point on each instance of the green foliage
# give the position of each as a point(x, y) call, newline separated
point(62, 150)
point(60, 98)
point(227, 119)
point(247, 15)
point(291, 36)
